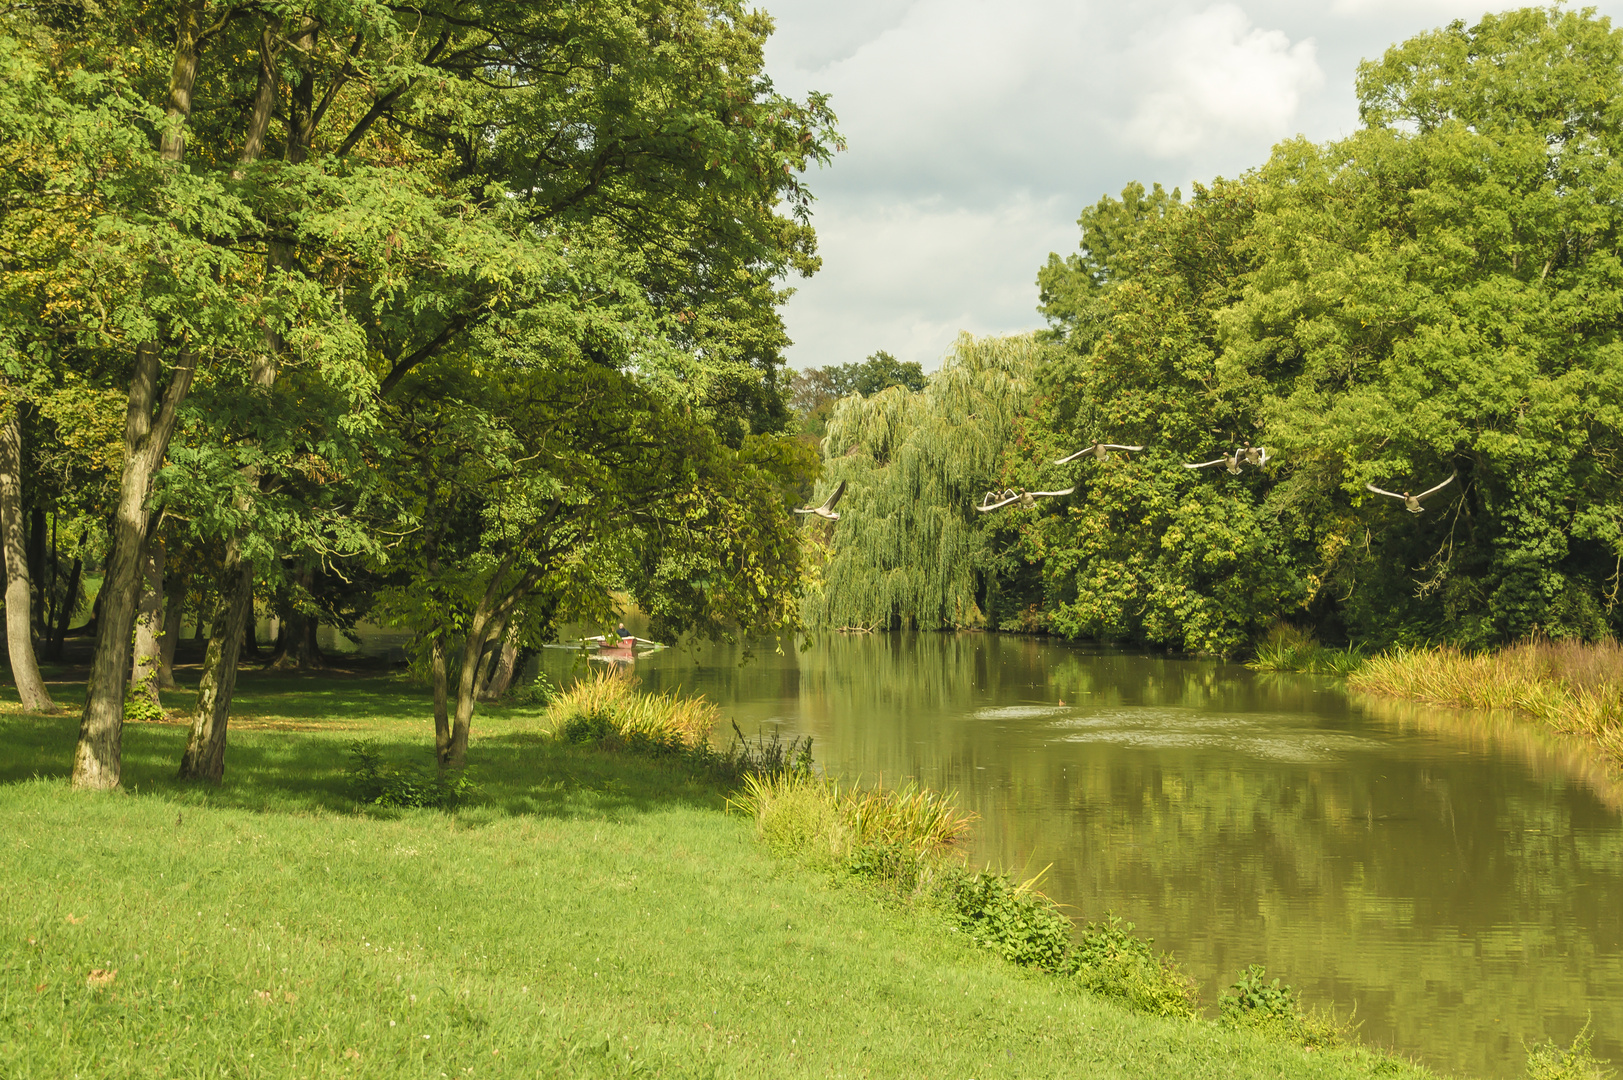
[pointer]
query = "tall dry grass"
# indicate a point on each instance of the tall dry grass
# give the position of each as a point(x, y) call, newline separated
point(608, 707)
point(1573, 687)
point(799, 813)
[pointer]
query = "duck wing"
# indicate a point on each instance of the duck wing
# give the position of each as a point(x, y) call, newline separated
point(987, 507)
point(1080, 453)
point(1116, 446)
point(1439, 487)
point(834, 496)
point(1388, 494)
point(1206, 464)
point(1050, 494)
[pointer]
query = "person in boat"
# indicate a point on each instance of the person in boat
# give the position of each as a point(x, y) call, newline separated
point(626, 640)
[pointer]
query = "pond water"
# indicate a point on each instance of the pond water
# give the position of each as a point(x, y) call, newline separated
point(1458, 879)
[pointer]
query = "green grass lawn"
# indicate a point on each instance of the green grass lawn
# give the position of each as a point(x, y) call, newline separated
point(590, 915)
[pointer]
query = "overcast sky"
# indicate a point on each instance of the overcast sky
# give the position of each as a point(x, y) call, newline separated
point(979, 130)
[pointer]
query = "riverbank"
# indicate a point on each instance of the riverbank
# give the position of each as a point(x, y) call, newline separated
point(587, 914)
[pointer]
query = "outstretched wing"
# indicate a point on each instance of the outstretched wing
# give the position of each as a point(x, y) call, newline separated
point(1114, 446)
point(1080, 453)
point(834, 497)
point(1206, 464)
point(987, 505)
point(1383, 491)
point(1051, 494)
point(1439, 487)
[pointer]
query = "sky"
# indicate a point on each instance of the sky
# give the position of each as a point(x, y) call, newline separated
point(979, 130)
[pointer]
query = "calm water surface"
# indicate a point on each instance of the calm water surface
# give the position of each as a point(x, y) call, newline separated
point(1456, 878)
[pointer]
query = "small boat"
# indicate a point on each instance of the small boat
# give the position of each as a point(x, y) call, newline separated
point(629, 645)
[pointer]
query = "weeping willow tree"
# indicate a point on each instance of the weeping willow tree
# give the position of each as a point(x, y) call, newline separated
point(910, 550)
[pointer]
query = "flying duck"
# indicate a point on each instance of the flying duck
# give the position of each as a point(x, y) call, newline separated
point(1229, 461)
point(1027, 499)
point(827, 509)
point(1098, 450)
point(1412, 502)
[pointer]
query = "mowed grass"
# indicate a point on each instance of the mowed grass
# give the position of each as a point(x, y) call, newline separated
point(591, 915)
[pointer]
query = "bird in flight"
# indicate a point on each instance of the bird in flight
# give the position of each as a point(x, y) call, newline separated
point(1026, 499)
point(1412, 502)
point(827, 509)
point(1257, 455)
point(1230, 461)
point(1098, 450)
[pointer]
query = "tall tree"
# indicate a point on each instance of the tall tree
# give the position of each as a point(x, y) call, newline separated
point(909, 549)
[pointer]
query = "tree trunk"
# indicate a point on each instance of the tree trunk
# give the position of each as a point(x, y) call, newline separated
point(149, 625)
point(204, 758)
point(298, 648)
point(37, 525)
point(19, 621)
point(205, 745)
point(174, 603)
point(64, 615)
point(506, 668)
point(98, 758)
point(442, 716)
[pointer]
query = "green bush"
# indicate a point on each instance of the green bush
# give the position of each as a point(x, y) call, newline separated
point(403, 785)
point(1276, 1009)
point(539, 691)
point(1112, 961)
point(1019, 923)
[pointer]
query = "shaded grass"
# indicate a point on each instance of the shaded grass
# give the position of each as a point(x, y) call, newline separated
point(594, 916)
point(1572, 687)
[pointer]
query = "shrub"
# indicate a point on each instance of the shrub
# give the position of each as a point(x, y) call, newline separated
point(538, 691)
point(1276, 1009)
point(1547, 1061)
point(1018, 922)
point(403, 785)
point(1112, 961)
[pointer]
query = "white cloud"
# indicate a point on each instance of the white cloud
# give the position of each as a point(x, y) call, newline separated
point(911, 275)
point(978, 129)
point(1414, 9)
point(1218, 78)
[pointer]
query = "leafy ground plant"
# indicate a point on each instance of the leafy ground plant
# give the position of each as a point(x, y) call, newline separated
point(1547, 1061)
point(1275, 1009)
point(396, 785)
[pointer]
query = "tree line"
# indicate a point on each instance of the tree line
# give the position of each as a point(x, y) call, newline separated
point(460, 314)
point(1441, 292)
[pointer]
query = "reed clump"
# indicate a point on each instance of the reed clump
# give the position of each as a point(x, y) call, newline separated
point(799, 813)
point(609, 711)
point(608, 708)
point(1286, 648)
point(1573, 687)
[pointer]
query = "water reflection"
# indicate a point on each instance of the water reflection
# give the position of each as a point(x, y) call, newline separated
point(1458, 879)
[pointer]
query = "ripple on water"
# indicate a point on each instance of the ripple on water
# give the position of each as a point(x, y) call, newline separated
point(1019, 712)
point(1271, 737)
